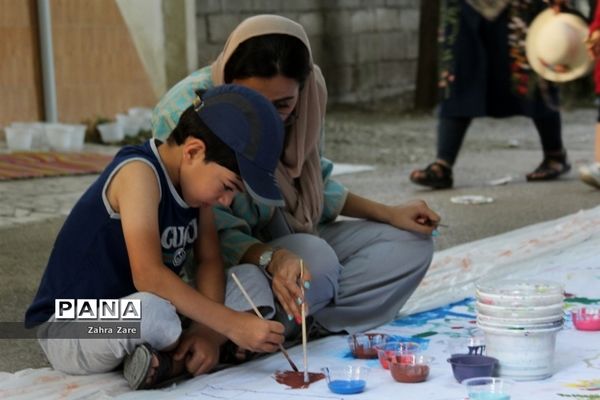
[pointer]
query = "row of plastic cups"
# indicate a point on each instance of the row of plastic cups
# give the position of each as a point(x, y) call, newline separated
point(22, 136)
point(402, 358)
point(126, 125)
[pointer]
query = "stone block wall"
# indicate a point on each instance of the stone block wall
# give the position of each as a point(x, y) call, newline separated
point(367, 49)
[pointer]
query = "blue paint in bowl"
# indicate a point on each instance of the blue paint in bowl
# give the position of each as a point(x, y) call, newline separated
point(347, 387)
point(347, 379)
point(488, 396)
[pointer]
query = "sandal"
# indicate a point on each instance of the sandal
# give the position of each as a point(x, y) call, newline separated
point(590, 174)
point(137, 367)
point(551, 167)
point(436, 175)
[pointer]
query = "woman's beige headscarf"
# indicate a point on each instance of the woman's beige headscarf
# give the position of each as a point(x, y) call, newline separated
point(299, 171)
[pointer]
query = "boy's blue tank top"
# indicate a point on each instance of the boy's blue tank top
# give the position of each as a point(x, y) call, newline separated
point(89, 259)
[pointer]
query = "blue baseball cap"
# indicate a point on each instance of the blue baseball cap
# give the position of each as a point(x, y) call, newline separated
point(249, 124)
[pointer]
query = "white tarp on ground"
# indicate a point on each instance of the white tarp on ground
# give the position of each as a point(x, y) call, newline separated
point(564, 250)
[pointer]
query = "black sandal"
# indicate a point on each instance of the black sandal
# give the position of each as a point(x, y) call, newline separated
point(436, 175)
point(551, 167)
point(137, 366)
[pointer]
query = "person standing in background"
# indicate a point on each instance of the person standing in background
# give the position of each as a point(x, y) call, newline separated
point(590, 173)
point(484, 73)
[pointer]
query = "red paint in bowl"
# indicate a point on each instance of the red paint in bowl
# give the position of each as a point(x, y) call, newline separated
point(586, 319)
point(396, 351)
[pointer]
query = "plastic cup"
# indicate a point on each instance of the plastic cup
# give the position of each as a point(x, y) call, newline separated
point(59, 136)
point(396, 351)
point(586, 318)
point(111, 132)
point(364, 345)
point(129, 123)
point(411, 368)
point(487, 388)
point(350, 379)
point(18, 138)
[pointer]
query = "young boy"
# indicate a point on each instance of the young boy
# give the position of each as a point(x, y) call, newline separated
point(131, 231)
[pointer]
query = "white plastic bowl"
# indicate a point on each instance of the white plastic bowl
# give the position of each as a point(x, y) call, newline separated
point(521, 325)
point(111, 132)
point(18, 139)
point(38, 133)
point(519, 300)
point(519, 312)
point(499, 321)
point(518, 288)
point(523, 355)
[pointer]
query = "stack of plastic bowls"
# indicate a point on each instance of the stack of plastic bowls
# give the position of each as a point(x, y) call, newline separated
point(520, 320)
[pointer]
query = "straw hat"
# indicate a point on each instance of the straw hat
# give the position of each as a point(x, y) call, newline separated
point(555, 46)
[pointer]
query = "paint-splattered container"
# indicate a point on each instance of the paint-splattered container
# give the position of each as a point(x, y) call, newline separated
point(517, 293)
point(523, 355)
point(396, 351)
point(410, 369)
point(494, 321)
point(364, 345)
point(523, 312)
point(520, 320)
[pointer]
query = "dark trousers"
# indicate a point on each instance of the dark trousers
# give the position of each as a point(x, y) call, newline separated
point(451, 133)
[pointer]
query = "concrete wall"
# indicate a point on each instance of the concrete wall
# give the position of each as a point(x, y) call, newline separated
point(20, 70)
point(97, 70)
point(367, 49)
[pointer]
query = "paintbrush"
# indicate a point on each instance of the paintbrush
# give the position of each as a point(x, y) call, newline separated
point(436, 224)
point(306, 380)
point(257, 312)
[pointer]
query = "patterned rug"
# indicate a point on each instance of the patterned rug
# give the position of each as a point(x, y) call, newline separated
point(41, 164)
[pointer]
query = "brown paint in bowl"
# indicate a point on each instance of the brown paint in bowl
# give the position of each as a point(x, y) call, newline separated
point(364, 345)
point(410, 369)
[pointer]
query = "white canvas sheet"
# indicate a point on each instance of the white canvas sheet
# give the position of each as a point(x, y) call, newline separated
point(565, 250)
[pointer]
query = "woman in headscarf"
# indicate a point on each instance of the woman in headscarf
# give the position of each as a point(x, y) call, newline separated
point(356, 274)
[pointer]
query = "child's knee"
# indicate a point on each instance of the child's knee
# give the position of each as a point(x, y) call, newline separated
point(160, 324)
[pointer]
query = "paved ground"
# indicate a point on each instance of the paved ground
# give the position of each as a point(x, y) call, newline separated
point(32, 211)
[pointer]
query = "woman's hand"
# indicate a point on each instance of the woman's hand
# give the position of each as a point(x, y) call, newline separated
point(593, 44)
point(258, 335)
point(285, 269)
point(414, 216)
